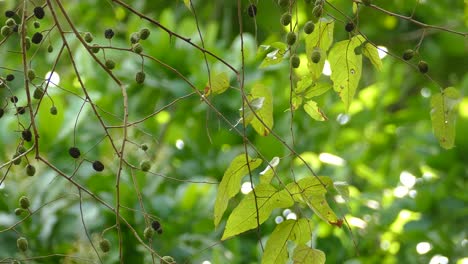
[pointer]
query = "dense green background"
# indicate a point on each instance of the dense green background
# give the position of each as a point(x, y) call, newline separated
point(389, 132)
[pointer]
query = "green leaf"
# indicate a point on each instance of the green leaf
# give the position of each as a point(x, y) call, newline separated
point(322, 37)
point(346, 68)
point(314, 111)
point(317, 89)
point(219, 84)
point(244, 216)
point(302, 231)
point(443, 116)
point(275, 54)
point(371, 52)
point(320, 206)
point(230, 184)
point(306, 187)
point(187, 4)
point(306, 255)
point(268, 173)
point(265, 113)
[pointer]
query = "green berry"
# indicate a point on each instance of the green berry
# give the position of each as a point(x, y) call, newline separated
point(22, 244)
point(366, 2)
point(37, 24)
point(309, 27)
point(349, 26)
point(53, 110)
point(88, 37)
point(19, 211)
point(137, 48)
point(423, 66)
point(26, 135)
point(285, 19)
point(30, 170)
point(283, 3)
point(140, 77)
point(10, 22)
point(104, 244)
point(108, 33)
point(17, 161)
point(50, 48)
point(24, 202)
point(408, 54)
point(39, 12)
point(252, 10)
point(291, 38)
point(74, 152)
point(316, 56)
point(144, 33)
point(95, 48)
point(295, 61)
point(168, 259)
point(317, 11)
point(148, 233)
point(27, 42)
point(145, 165)
point(144, 147)
point(38, 93)
point(135, 37)
point(6, 30)
point(37, 38)
point(110, 64)
point(31, 74)
point(98, 166)
point(21, 149)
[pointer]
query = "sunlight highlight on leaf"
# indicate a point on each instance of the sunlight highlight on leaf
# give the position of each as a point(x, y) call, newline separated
point(219, 84)
point(277, 50)
point(312, 109)
point(443, 116)
point(372, 53)
point(306, 255)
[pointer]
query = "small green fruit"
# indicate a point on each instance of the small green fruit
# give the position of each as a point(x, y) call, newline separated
point(135, 37)
point(317, 11)
point(27, 43)
point(39, 12)
point(408, 54)
point(148, 233)
point(53, 110)
point(295, 61)
point(22, 244)
point(50, 48)
point(21, 149)
point(291, 38)
point(423, 66)
point(285, 19)
point(144, 147)
point(110, 64)
point(349, 26)
point(98, 166)
point(17, 161)
point(88, 37)
point(316, 56)
point(74, 152)
point(309, 27)
point(140, 77)
point(37, 38)
point(19, 211)
point(168, 260)
point(38, 93)
point(144, 33)
point(252, 10)
point(10, 22)
point(108, 33)
point(137, 48)
point(24, 202)
point(30, 170)
point(145, 165)
point(37, 24)
point(283, 3)
point(104, 244)
point(6, 30)
point(31, 74)
point(95, 48)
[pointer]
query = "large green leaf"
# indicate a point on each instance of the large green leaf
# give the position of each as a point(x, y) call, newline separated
point(443, 116)
point(255, 204)
point(322, 37)
point(267, 174)
point(346, 68)
point(275, 53)
point(306, 255)
point(230, 184)
point(371, 52)
point(265, 113)
point(219, 84)
point(314, 111)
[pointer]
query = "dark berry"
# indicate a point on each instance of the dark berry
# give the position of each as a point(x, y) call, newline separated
point(283, 3)
point(148, 233)
point(104, 244)
point(95, 48)
point(145, 165)
point(349, 26)
point(144, 147)
point(21, 149)
point(10, 22)
point(74, 152)
point(160, 231)
point(37, 38)
point(37, 24)
point(38, 93)
point(285, 19)
point(18, 160)
point(423, 66)
point(50, 48)
point(30, 170)
point(108, 33)
point(26, 135)
point(98, 166)
point(110, 64)
point(309, 27)
point(144, 33)
point(39, 12)
point(252, 10)
point(140, 77)
point(53, 110)
point(10, 77)
point(5, 31)
point(22, 244)
point(31, 74)
point(10, 13)
point(88, 37)
point(134, 37)
point(137, 48)
point(2, 112)
point(291, 38)
point(14, 99)
point(408, 54)
point(15, 28)
point(24, 202)
point(156, 225)
point(316, 56)
point(295, 61)
point(317, 11)
point(27, 42)
point(20, 110)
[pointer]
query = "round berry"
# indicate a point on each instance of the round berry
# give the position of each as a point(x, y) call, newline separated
point(168, 259)
point(38, 93)
point(144, 147)
point(21, 149)
point(98, 166)
point(6, 30)
point(26, 135)
point(95, 48)
point(14, 99)
point(104, 244)
point(309, 27)
point(37, 38)
point(20, 110)
point(283, 3)
point(252, 10)
point(135, 37)
point(317, 11)
point(349, 26)
point(50, 48)
point(285, 19)
point(10, 77)
point(144, 33)
point(140, 77)
point(24, 202)
point(53, 110)
point(37, 24)
point(108, 33)
point(160, 231)
point(148, 233)
point(17, 161)
point(110, 64)
point(15, 28)
point(39, 12)
point(31, 74)
point(423, 66)
point(74, 152)
point(156, 225)
point(316, 56)
point(295, 61)
point(88, 37)
point(30, 170)
point(22, 244)
point(19, 211)
point(10, 13)
point(137, 48)
point(408, 54)
point(27, 42)
point(145, 165)
point(291, 38)
point(10, 22)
